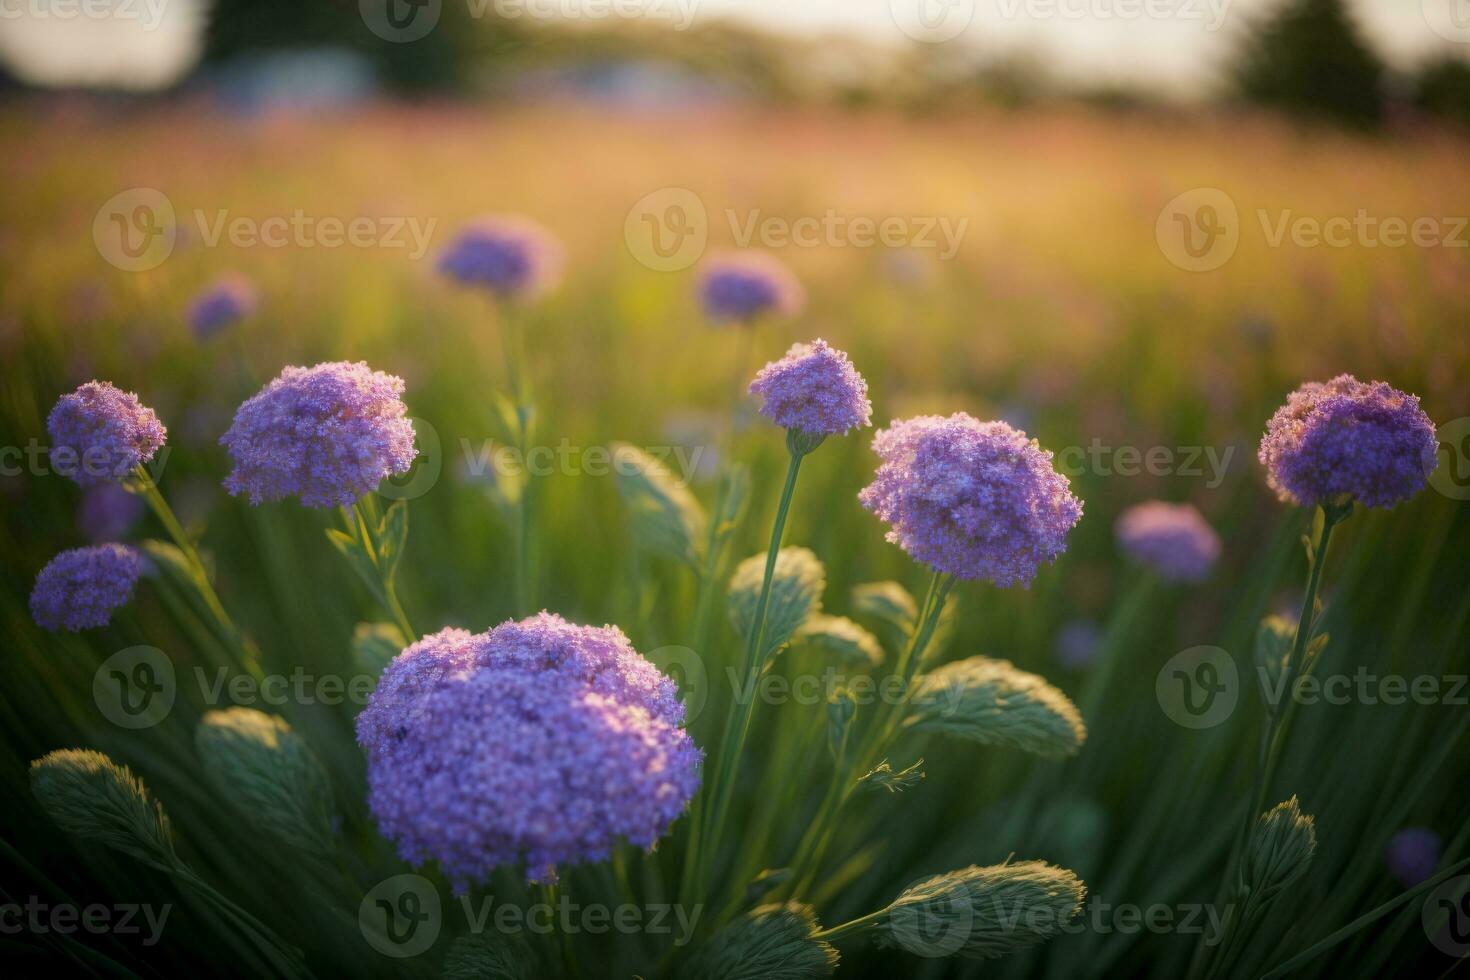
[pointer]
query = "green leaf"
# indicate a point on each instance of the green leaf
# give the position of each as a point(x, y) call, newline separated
point(665, 517)
point(883, 776)
point(733, 493)
point(490, 956)
point(994, 703)
point(1281, 847)
point(269, 776)
point(356, 554)
point(94, 800)
point(842, 639)
point(392, 538)
point(1274, 640)
point(796, 593)
point(772, 942)
point(887, 601)
point(374, 645)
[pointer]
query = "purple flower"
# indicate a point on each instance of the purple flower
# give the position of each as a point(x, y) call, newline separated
point(1413, 854)
point(539, 741)
point(744, 286)
point(974, 499)
point(1077, 644)
point(1346, 439)
point(221, 305)
point(815, 389)
point(1173, 540)
point(328, 434)
point(79, 589)
point(100, 434)
point(511, 256)
point(108, 512)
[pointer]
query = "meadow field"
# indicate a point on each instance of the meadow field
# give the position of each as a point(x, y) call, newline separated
point(1058, 304)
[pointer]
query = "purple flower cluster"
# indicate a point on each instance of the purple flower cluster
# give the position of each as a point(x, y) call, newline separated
point(744, 286)
point(227, 301)
point(81, 588)
point(328, 434)
point(1413, 855)
point(513, 257)
point(1174, 540)
point(815, 389)
point(539, 741)
point(108, 512)
point(1367, 442)
point(974, 499)
point(100, 434)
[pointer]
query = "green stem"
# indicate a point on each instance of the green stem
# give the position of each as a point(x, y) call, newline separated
point(513, 345)
point(1273, 736)
point(820, 833)
point(363, 524)
point(743, 709)
point(848, 928)
point(245, 651)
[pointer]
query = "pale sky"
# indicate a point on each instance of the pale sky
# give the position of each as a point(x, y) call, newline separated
point(1177, 45)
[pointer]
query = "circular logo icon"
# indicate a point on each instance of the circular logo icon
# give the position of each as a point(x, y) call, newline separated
point(932, 21)
point(1452, 476)
point(401, 916)
point(136, 687)
point(1199, 230)
point(136, 230)
point(687, 669)
point(427, 465)
point(933, 925)
point(400, 21)
point(1450, 19)
point(667, 230)
point(1446, 916)
point(1198, 687)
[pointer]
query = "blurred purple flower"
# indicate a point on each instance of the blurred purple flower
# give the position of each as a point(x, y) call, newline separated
point(511, 256)
point(975, 499)
point(1077, 644)
point(1413, 854)
point(81, 588)
point(221, 305)
point(815, 389)
point(328, 434)
point(100, 434)
point(1173, 540)
point(108, 512)
point(539, 741)
point(744, 286)
point(1348, 439)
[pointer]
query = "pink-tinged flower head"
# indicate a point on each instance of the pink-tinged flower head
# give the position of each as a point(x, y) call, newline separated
point(221, 305)
point(539, 742)
point(81, 588)
point(977, 500)
point(1413, 855)
point(1366, 442)
point(1174, 540)
point(815, 389)
point(745, 286)
point(328, 434)
point(100, 434)
point(511, 256)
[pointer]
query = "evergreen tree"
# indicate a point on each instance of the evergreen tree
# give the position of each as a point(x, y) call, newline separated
point(1308, 59)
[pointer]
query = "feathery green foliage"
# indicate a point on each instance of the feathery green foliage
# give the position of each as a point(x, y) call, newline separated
point(995, 703)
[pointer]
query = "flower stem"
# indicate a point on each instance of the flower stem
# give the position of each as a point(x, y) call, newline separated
point(245, 651)
point(513, 344)
point(364, 524)
point(742, 709)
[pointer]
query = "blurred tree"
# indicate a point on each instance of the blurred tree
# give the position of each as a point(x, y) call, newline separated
point(1442, 88)
point(437, 60)
point(1308, 59)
